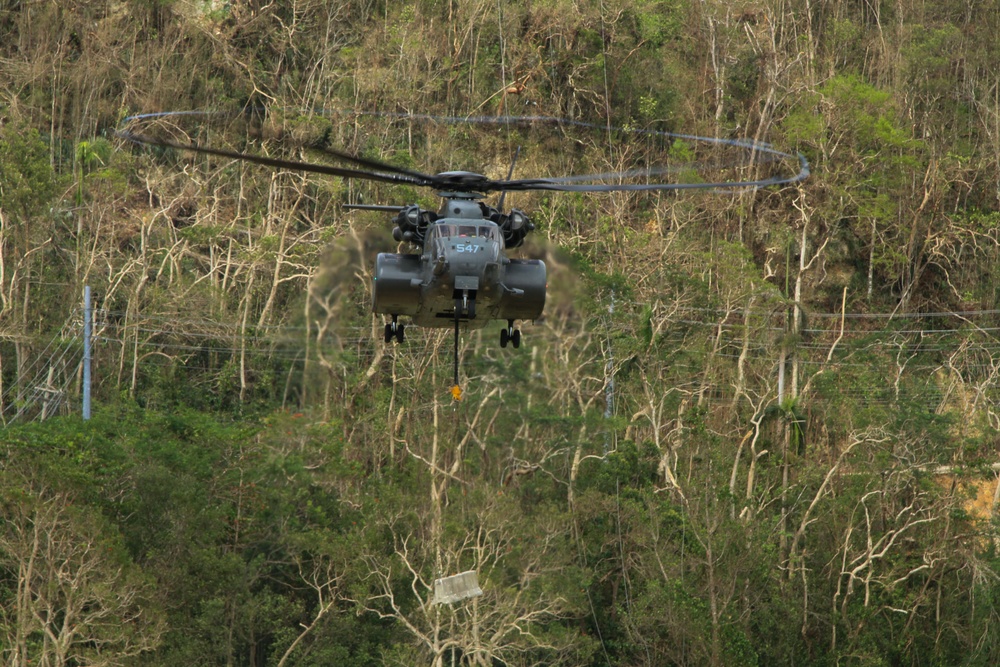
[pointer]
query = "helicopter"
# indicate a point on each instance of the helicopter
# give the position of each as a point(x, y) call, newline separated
point(462, 277)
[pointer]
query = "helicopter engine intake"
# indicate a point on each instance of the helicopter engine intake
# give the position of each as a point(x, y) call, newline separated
point(411, 224)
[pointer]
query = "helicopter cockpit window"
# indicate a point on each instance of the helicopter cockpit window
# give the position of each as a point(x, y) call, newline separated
point(469, 231)
point(445, 231)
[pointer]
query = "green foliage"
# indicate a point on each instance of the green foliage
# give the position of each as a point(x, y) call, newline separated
point(94, 154)
point(28, 184)
point(251, 438)
point(659, 21)
point(217, 513)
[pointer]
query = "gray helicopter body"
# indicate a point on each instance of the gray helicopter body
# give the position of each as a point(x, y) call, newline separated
point(462, 276)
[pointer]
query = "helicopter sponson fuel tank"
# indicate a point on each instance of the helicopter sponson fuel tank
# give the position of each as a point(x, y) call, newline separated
point(462, 274)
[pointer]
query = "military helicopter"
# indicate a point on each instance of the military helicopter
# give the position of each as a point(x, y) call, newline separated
point(462, 277)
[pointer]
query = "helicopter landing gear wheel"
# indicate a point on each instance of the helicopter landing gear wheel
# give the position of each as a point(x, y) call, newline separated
point(394, 330)
point(510, 335)
point(466, 304)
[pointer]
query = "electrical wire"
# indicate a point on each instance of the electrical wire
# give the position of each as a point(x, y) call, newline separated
point(924, 350)
point(862, 316)
point(43, 360)
point(50, 397)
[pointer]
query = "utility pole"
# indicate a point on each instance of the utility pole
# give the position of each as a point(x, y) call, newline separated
point(609, 378)
point(86, 352)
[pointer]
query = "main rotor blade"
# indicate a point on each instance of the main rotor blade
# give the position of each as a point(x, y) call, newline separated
point(397, 175)
point(390, 208)
point(573, 184)
point(468, 182)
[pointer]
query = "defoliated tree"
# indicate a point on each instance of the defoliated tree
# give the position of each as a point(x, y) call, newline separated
point(70, 594)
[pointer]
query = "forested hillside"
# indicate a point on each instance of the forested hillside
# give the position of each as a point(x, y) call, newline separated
point(753, 428)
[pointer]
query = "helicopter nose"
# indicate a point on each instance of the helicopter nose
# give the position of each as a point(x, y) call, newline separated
point(468, 256)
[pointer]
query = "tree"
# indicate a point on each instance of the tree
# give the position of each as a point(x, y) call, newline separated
point(71, 594)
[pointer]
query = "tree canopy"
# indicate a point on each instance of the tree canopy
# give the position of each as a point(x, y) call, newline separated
point(752, 428)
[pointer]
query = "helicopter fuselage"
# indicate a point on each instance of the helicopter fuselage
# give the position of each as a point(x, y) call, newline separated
point(463, 275)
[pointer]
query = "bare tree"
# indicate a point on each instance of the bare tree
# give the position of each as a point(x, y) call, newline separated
point(320, 575)
point(75, 600)
point(518, 567)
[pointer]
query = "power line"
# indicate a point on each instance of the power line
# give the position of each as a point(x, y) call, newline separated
point(962, 314)
point(286, 345)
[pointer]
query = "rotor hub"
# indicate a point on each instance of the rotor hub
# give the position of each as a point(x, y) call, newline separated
point(461, 181)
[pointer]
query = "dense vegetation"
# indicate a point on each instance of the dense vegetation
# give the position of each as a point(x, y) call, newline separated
point(753, 429)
